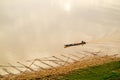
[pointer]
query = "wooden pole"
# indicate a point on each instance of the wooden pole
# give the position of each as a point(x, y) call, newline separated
point(45, 63)
point(32, 63)
point(57, 63)
point(69, 57)
point(12, 66)
point(25, 66)
point(75, 56)
point(54, 61)
point(93, 53)
point(4, 69)
point(60, 59)
point(15, 68)
point(81, 53)
point(39, 66)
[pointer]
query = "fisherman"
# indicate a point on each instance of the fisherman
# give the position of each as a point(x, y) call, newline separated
point(83, 42)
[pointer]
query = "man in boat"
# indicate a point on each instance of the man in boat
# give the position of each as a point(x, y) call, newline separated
point(75, 44)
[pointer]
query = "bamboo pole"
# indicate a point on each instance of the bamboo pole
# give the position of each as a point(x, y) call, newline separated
point(15, 68)
point(54, 61)
point(75, 56)
point(57, 63)
point(25, 66)
point(45, 63)
point(60, 59)
point(4, 69)
point(93, 53)
point(66, 61)
point(39, 66)
point(81, 53)
point(11, 66)
point(69, 57)
point(32, 63)
point(45, 60)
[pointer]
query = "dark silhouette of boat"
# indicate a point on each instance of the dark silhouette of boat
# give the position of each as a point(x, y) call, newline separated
point(75, 44)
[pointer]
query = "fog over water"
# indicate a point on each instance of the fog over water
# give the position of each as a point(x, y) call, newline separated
point(39, 28)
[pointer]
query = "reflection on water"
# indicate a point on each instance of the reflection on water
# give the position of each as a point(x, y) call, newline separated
point(37, 28)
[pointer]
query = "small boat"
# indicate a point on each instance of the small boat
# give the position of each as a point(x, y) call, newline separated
point(75, 44)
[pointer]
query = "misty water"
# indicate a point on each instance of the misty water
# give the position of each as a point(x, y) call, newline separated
point(32, 29)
